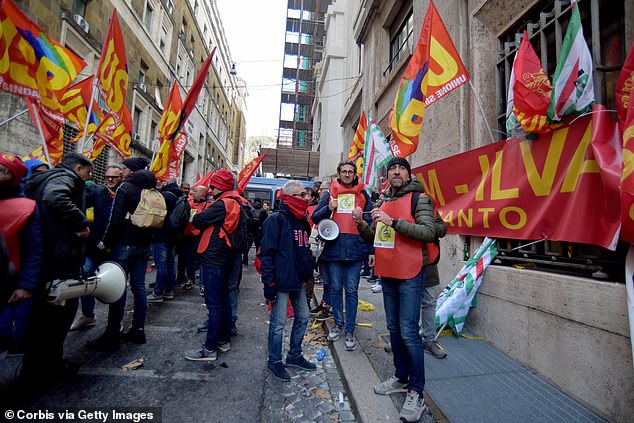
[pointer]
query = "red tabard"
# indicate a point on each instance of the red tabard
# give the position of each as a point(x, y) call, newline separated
point(14, 212)
point(405, 260)
point(197, 207)
point(344, 220)
point(232, 209)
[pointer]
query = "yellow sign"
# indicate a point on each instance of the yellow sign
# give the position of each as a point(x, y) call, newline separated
point(384, 236)
point(345, 203)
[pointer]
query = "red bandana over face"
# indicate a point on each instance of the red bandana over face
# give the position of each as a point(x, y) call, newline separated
point(297, 205)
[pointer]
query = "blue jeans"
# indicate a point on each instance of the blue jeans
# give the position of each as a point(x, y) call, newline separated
point(428, 313)
point(133, 259)
point(325, 277)
point(215, 282)
point(401, 299)
point(165, 261)
point(278, 321)
point(88, 301)
point(14, 319)
point(235, 276)
point(344, 275)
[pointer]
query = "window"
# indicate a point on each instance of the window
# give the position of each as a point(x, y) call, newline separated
point(546, 27)
point(136, 118)
point(143, 72)
point(301, 112)
point(301, 139)
point(79, 7)
point(149, 16)
point(604, 30)
point(401, 40)
point(163, 38)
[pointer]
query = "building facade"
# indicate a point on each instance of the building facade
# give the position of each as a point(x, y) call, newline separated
point(568, 320)
point(165, 41)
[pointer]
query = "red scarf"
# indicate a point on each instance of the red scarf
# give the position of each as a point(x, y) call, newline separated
point(297, 205)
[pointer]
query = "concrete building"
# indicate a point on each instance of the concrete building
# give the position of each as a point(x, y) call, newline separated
point(165, 40)
point(567, 321)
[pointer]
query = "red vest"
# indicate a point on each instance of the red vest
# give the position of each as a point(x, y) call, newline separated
point(232, 201)
point(14, 212)
point(309, 216)
point(344, 220)
point(196, 208)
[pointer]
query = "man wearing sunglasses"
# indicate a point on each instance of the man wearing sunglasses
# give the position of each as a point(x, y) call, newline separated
point(99, 200)
point(343, 256)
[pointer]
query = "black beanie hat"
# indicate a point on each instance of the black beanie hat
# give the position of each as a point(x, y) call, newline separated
point(400, 161)
point(136, 163)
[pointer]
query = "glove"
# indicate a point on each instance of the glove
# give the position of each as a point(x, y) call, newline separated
point(270, 292)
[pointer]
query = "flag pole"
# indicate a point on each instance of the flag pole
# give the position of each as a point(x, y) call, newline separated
point(475, 94)
point(36, 114)
point(92, 98)
point(14, 116)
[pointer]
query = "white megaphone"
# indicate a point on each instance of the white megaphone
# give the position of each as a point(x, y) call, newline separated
point(108, 285)
point(328, 230)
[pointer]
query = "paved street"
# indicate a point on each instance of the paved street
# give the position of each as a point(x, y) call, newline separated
point(237, 387)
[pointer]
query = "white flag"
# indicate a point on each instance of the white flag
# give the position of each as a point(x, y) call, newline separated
point(377, 153)
point(573, 87)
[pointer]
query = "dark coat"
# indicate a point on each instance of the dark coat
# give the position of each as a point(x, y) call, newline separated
point(217, 254)
point(285, 251)
point(100, 199)
point(120, 230)
point(59, 194)
point(346, 247)
point(171, 193)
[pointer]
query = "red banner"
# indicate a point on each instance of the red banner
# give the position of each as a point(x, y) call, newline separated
point(169, 120)
point(551, 188)
point(33, 65)
point(627, 177)
point(357, 147)
point(623, 91)
point(112, 72)
point(50, 125)
point(115, 131)
point(248, 171)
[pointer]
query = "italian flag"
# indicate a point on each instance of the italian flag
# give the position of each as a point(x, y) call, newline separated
point(573, 88)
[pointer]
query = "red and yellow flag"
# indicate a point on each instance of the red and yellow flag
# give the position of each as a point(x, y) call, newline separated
point(74, 107)
point(190, 100)
point(624, 86)
point(627, 177)
point(248, 171)
point(358, 144)
point(33, 65)
point(50, 125)
point(167, 125)
point(112, 72)
point(434, 70)
point(115, 131)
point(531, 89)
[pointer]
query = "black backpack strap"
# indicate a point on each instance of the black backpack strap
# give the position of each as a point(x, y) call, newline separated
point(415, 197)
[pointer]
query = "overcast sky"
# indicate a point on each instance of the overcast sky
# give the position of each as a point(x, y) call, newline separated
point(255, 32)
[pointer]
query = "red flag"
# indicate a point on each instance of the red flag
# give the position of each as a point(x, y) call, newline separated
point(51, 130)
point(358, 144)
point(112, 72)
point(531, 89)
point(115, 131)
point(74, 107)
point(627, 176)
point(204, 181)
point(33, 65)
point(624, 86)
point(434, 70)
point(192, 95)
point(248, 171)
point(169, 120)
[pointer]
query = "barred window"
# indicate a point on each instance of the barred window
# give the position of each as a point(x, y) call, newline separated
point(604, 30)
point(401, 39)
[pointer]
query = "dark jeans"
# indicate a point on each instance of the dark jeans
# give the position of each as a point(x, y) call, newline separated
point(215, 282)
point(235, 277)
point(278, 321)
point(189, 256)
point(325, 278)
point(133, 259)
point(401, 299)
point(165, 261)
point(250, 242)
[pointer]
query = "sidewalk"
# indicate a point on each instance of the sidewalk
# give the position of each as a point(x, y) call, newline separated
point(475, 383)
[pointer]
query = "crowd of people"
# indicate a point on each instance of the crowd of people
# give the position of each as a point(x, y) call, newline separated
point(56, 224)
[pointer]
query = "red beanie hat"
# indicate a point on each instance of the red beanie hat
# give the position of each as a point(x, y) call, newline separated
point(222, 179)
point(15, 166)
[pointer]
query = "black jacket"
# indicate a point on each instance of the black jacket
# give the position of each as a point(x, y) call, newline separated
point(120, 230)
point(217, 254)
point(171, 193)
point(285, 251)
point(59, 194)
point(99, 198)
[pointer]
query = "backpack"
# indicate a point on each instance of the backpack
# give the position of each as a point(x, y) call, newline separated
point(179, 217)
point(151, 211)
point(253, 226)
point(433, 248)
point(239, 236)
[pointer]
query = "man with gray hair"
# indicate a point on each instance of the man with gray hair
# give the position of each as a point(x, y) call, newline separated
point(287, 263)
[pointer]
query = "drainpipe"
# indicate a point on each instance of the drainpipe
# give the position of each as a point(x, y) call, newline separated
point(463, 21)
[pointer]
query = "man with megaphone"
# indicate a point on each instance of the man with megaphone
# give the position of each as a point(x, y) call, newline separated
point(343, 255)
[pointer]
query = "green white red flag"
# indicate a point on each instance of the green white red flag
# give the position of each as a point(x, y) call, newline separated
point(573, 87)
point(377, 154)
point(356, 149)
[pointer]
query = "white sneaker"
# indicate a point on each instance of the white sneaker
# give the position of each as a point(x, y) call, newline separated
point(83, 322)
point(390, 386)
point(377, 289)
point(413, 407)
point(334, 334)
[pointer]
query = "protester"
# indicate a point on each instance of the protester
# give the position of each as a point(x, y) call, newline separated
point(428, 308)
point(99, 198)
point(218, 222)
point(323, 311)
point(59, 194)
point(198, 202)
point(342, 257)
point(129, 246)
point(21, 228)
point(401, 228)
point(258, 215)
point(164, 248)
point(287, 263)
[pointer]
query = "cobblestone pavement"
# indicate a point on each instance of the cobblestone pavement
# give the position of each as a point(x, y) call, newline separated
point(317, 396)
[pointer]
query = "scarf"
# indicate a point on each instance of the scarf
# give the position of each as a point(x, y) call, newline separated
point(296, 205)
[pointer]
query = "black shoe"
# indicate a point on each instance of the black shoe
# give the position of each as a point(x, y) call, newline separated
point(324, 315)
point(301, 363)
point(234, 330)
point(279, 371)
point(316, 310)
point(136, 336)
point(105, 343)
